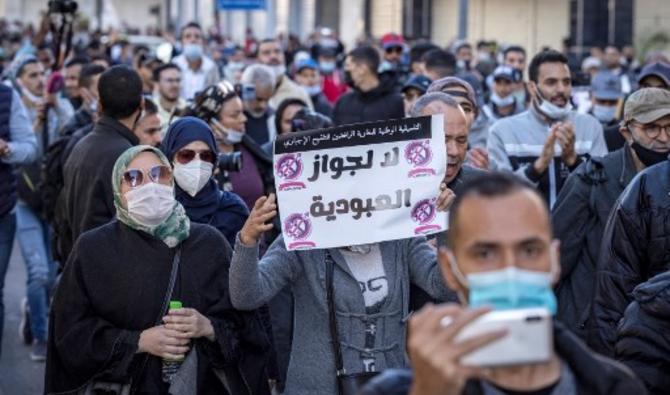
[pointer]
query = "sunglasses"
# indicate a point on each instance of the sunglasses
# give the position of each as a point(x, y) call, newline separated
point(184, 156)
point(159, 174)
point(394, 49)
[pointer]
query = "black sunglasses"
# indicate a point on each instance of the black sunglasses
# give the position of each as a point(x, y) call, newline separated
point(185, 156)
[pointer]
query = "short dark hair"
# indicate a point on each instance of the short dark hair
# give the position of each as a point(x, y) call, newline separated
point(88, 72)
point(489, 185)
point(120, 91)
point(282, 107)
point(77, 60)
point(366, 55)
point(166, 66)
point(417, 51)
point(190, 25)
point(550, 56)
point(22, 65)
point(463, 45)
point(264, 41)
point(150, 108)
point(514, 48)
point(441, 61)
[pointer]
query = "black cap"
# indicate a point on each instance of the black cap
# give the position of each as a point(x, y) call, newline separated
point(418, 82)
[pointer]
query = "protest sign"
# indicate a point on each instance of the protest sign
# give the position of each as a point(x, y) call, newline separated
point(360, 184)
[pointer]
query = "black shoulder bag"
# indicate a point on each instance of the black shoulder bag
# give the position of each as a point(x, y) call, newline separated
point(95, 387)
point(348, 384)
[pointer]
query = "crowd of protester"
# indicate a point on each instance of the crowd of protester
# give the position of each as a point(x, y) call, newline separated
point(124, 167)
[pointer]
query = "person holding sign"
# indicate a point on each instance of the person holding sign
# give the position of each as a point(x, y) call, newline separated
point(368, 286)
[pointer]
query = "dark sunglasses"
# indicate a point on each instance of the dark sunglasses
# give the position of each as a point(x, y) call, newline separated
point(394, 49)
point(160, 174)
point(184, 156)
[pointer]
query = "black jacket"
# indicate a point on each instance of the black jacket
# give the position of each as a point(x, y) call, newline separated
point(594, 374)
point(113, 288)
point(643, 336)
point(635, 247)
point(87, 189)
point(82, 117)
point(381, 103)
point(322, 105)
point(579, 218)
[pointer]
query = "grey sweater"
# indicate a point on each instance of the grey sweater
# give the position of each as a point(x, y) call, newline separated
point(312, 368)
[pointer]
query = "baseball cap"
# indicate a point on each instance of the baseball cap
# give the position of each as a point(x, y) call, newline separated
point(658, 69)
point(606, 86)
point(418, 82)
point(507, 73)
point(391, 40)
point(443, 85)
point(647, 105)
point(306, 64)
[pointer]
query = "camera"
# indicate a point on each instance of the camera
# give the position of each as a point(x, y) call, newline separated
point(62, 7)
point(230, 162)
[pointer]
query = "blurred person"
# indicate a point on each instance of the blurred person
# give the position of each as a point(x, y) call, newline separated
point(261, 80)
point(463, 53)
point(393, 60)
point(46, 57)
point(642, 335)
point(515, 57)
point(285, 113)
point(168, 79)
point(221, 107)
point(502, 102)
point(591, 66)
point(334, 84)
point(193, 154)
point(633, 244)
point(198, 70)
point(308, 76)
point(485, 60)
point(416, 52)
point(145, 66)
point(271, 54)
point(71, 76)
point(150, 254)
point(655, 75)
point(612, 62)
point(87, 195)
point(413, 89)
point(583, 206)
point(527, 143)
point(372, 97)
point(149, 128)
point(18, 146)
point(438, 64)
point(465, 96)
point(500, 254)
point(235, 65)
point(628, 54)
point(606, 100)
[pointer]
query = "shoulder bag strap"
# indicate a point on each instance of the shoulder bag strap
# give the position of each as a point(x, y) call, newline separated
point(173, 279)
point(332, 315)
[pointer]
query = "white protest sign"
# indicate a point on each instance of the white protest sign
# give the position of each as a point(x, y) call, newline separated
point(360, 184)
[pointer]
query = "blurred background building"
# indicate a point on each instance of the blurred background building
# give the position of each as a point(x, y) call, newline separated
point(531, 23)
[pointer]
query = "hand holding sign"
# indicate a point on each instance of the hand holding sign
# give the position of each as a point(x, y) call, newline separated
point(264, 210)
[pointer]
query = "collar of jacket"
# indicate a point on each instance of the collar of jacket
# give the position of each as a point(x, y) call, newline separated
point(628, 169)
point(110, 125)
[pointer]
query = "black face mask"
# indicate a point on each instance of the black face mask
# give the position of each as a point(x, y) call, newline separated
point(649, 157)
point(348, 79)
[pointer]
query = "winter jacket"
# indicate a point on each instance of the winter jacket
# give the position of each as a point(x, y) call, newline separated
point(312, 364)
point(516, 142)
point(635, 247)
point(643, 336)
point(593, 374)
point(579, 218)
point(87, 190)
point(379, 104)
point(287, 89)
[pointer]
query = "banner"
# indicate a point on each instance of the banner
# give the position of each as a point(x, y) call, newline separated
point(248, 5)
point(360, 184)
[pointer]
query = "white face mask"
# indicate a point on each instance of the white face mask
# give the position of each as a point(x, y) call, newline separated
point(313, 90)
point(502, 102)
point(150, 204)
point(193, 176)
point(232, 136)
point(551, 110)
point(604, 113)
point(193, 51)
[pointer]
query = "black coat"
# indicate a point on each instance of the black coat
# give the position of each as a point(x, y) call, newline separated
point(635, 247)
point(87, 190)
point(579, 218)
point(643, 337)
point(594, 375)
point(379, 104)
point(113, 288)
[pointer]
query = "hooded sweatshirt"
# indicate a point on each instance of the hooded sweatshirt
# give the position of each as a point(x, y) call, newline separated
point(380, 103)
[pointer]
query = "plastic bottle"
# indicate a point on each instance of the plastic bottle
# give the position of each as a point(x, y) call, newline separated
point(171, 366)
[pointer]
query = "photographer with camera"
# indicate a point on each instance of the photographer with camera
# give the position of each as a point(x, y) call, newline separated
point(502, 260)
point(243, 166)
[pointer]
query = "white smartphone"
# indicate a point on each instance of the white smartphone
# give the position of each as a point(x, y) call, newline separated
point(529, 338)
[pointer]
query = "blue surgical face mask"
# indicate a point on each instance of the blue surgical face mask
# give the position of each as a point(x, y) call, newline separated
point(509, 288)
point(327, 67)
point(193, 51)
point(313, 90)
point(604, 113)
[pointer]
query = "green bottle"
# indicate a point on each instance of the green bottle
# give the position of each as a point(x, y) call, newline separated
point(171, 366)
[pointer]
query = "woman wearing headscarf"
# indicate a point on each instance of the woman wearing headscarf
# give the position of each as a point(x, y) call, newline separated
point(189, 144)
point(110, 322)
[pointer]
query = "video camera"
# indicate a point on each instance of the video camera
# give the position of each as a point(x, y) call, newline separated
point(62, 7)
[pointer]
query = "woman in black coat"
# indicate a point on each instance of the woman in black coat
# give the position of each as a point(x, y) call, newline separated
point(108, 321)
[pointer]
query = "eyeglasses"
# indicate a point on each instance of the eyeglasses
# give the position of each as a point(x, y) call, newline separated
point(394, 49)
point(160, 174)
point(184, 156)
point(652, 130)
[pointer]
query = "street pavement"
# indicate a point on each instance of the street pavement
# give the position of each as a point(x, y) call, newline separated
point(18, 374)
